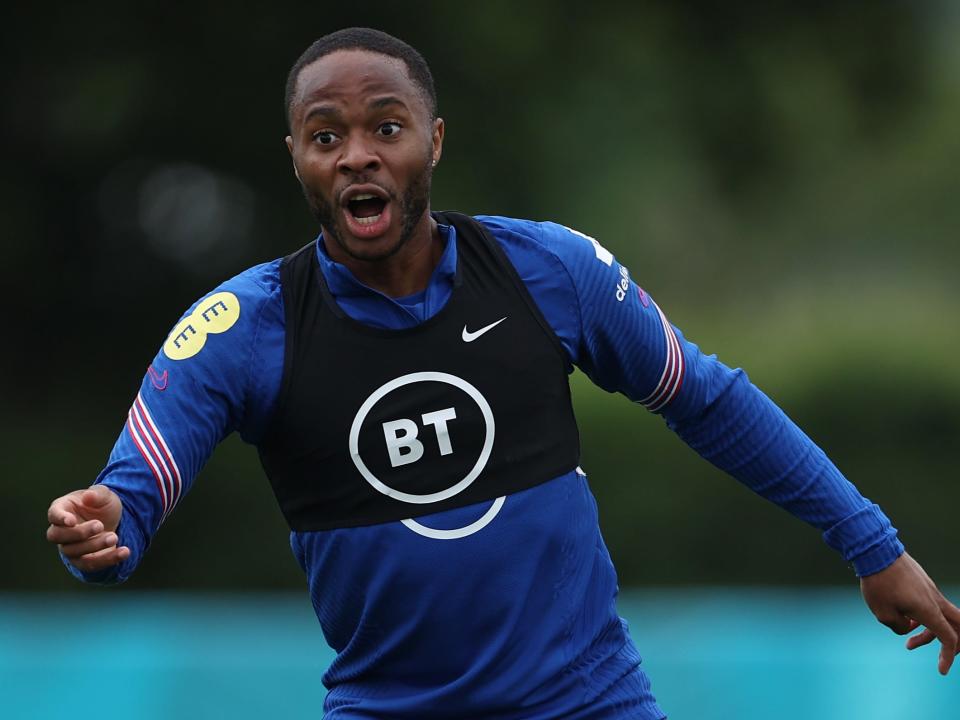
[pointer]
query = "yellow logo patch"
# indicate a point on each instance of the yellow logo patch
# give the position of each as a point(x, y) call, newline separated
point(215, 314)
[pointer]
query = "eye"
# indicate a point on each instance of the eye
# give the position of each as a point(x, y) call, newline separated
point(389, 129)
point(325, 137)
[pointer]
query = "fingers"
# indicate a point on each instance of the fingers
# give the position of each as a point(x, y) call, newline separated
point(64, 534)
point(97, 496)
point(950, 611)
point(82, 524)
point(948, 650)
point(93, 545)
point(62, 511)
point(951, 619)
point(920, 639)
point(903, 591)
point(942, 622)
point(74, 509)
point(101, 559)
point(947, 636)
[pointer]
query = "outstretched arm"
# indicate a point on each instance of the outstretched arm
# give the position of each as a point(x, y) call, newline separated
point(207, 381)
point(624, 343)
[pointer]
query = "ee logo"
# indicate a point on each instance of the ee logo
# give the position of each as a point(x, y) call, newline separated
point(215, 314)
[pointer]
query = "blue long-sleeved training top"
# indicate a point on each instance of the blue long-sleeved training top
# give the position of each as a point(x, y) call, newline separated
point(502, 609)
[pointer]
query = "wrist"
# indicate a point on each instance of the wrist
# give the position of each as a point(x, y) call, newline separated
point(878, 558)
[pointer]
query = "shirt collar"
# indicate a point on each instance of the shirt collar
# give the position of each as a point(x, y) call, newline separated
point(343, 283)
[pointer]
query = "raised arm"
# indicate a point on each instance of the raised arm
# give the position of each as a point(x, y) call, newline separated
point(210, 377)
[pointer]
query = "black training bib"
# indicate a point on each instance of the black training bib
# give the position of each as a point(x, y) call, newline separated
point(376, 425)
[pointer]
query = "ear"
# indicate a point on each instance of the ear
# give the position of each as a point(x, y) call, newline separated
point(437, 141)
point(289, 142)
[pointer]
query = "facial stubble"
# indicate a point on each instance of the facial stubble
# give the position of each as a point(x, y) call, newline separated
point(412, 205)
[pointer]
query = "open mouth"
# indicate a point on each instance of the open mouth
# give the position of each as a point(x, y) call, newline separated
point(366, 209)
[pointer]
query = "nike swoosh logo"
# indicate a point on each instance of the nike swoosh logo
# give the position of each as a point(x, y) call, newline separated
point(471, 336)
point(156, 379)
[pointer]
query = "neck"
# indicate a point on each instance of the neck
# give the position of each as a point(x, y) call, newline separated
point(405, 272)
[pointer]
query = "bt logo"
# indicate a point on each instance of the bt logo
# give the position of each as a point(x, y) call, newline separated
point(405, 448)
point(385, 448)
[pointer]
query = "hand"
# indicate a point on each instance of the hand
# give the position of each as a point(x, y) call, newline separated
point(83, 523)
point(903, 597)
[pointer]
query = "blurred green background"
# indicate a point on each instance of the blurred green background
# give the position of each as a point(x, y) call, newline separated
point(781, 177)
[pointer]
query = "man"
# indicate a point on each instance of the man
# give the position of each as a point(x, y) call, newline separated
point(404, 378)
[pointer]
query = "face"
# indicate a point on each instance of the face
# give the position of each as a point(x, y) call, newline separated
point(364, 146)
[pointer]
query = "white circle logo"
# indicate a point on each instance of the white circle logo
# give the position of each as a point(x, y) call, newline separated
point(460, 532)
point(402, 381)
point(449, 492)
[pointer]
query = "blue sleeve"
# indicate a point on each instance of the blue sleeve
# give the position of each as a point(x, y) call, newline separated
point(218, 372)
point(621, 339)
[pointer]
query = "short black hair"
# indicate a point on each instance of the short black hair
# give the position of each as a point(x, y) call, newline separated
point(360, 38)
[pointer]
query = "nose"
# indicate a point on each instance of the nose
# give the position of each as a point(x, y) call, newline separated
point(358, 155)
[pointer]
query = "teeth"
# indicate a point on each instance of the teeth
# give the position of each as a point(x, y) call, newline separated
point(367, 220)
point(363, 196)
